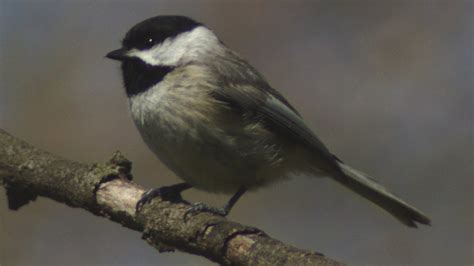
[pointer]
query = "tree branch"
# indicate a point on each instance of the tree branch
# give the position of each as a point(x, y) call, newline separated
point(27, 172)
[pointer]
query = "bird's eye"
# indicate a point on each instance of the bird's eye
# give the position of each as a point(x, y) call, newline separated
point(149, 42)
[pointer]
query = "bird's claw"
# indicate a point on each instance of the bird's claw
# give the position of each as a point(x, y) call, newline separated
point(199, 207)
point(167, 193)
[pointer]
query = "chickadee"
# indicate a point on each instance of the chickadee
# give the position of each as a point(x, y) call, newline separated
point(217, 123)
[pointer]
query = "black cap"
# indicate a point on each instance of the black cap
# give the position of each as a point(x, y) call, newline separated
point(151, 32)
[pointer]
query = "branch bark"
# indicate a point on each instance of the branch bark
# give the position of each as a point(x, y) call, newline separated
point(27, 172)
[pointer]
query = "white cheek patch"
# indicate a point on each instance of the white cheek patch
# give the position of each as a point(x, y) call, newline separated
point(178, 50)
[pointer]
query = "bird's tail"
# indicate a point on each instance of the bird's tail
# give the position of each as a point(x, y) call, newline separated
point(376, 193)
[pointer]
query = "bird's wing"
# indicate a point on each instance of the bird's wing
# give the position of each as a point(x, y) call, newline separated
point(268, 106)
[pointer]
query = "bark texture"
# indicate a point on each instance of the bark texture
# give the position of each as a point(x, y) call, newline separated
point(106, 190)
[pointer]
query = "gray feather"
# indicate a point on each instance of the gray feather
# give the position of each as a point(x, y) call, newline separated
point(365, 186)
point(247, 92)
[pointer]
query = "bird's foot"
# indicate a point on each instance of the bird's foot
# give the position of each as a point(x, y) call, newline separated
point(168, 193)
point(199, 207)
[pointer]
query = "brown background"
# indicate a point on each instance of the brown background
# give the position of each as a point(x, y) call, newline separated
point(386, 84)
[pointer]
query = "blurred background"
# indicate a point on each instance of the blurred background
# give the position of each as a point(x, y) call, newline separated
point(387, 85)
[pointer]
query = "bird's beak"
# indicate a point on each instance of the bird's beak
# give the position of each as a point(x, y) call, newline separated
point(119, 54)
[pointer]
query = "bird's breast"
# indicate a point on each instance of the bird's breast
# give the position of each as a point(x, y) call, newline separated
point(171, 115)
point(181, 126)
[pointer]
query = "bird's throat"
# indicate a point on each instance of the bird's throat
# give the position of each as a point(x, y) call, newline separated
point(138, 76)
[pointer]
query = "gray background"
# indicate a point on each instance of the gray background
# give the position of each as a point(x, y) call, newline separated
point(386, 84)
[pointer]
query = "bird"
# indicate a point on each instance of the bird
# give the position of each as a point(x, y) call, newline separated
point(219, 125)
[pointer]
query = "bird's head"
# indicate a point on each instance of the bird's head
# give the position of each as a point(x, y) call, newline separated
point(154, 47)
point(165, 41)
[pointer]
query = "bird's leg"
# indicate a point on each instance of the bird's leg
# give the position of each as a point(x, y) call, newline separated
point(169, 193)
point(222, 211)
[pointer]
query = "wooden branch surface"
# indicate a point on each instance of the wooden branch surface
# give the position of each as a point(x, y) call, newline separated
point(27, 172)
